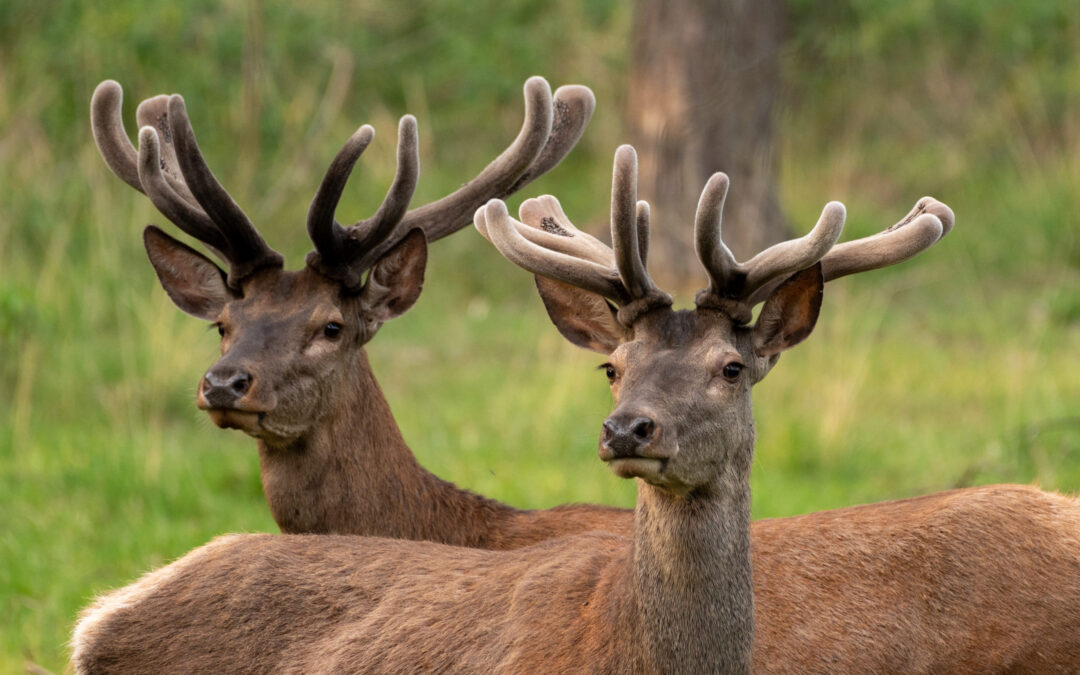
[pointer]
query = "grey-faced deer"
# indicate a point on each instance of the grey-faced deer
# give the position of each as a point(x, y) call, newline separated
point(976, 580)
point(293, 371)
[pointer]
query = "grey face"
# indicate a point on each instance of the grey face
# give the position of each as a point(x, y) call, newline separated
point(681, 383)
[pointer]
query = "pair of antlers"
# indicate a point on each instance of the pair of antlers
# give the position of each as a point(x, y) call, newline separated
point(549, 245)
point(169, 168)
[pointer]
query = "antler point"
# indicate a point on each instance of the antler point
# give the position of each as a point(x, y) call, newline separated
point(108, 87)
point(537, 81)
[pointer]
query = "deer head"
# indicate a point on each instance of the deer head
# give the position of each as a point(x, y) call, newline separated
point(289, 337)
point(681, 380)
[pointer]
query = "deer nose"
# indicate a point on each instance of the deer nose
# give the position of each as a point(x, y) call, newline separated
point(223, 386)
point(626, 436)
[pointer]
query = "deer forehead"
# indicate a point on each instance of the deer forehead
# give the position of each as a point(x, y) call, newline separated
point(695, 338)
point(285, 298)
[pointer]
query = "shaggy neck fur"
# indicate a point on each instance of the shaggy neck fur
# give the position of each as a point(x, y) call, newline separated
point(692, 580)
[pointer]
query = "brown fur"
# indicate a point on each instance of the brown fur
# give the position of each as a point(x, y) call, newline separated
point(979, 580)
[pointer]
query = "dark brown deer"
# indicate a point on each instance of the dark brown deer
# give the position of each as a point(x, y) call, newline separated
point(293, 372)
point(979, 580)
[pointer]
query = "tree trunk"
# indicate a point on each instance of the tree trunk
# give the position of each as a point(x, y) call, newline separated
point(704, 78)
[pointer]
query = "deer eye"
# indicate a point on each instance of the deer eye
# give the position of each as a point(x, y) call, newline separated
point(732, 371)
point(610, 371)
point(332, 330)
point(220, 329)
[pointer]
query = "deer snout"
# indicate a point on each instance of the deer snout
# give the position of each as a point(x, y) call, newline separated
point(627, 435)
point(224, 386)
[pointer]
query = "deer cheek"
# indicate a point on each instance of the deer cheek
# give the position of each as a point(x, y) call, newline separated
point(720, 387)
point(321, 347)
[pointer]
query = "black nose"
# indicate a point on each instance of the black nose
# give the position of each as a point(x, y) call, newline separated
point(223, 386)
point(627, 435)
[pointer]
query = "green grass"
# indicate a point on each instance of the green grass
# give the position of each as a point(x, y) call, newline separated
point(957, 368)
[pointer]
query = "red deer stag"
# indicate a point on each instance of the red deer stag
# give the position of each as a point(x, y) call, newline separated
point(979, 580)
point(293, 371)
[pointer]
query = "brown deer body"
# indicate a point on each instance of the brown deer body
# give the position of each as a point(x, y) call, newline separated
point(926, 585)
point(978, 580)
point(981, 580)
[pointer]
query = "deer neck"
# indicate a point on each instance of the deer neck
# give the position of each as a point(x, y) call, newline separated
point(692, 581)
point(353, 473)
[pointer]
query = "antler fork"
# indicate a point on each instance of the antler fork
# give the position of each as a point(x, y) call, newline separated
point(192, 199)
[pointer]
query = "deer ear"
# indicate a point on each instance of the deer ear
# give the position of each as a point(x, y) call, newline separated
point(395, 281)
point(194, 283)
point(585, 319)
point(790, 312)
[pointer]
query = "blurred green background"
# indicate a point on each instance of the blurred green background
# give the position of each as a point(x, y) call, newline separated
point(957, 368)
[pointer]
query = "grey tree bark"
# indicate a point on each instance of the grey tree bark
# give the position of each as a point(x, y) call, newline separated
point(704, 81)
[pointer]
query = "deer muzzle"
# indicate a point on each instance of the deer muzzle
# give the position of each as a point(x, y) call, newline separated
point(224, 387)
point(626, 436)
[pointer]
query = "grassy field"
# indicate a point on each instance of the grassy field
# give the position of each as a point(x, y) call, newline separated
point(957, 368)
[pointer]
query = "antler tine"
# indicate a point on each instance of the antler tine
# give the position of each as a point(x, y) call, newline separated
point(642, 223)
point(323, 229)
point(932, 206)
point(188, 218)
point(154, 112)
point(119, 154)
point(548, 226)
point(494, 222)
point(921, 228)
point(624, 225)
point(714, 255)
point(345, 253)
point(151, 170)
point(573, 107)
point(162, 182)
point(788, 257)
point(247, 250)
point(454, 211)
point(107, 125)
point(367, 234)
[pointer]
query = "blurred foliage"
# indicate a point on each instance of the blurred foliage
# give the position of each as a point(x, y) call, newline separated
point(958, 368)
